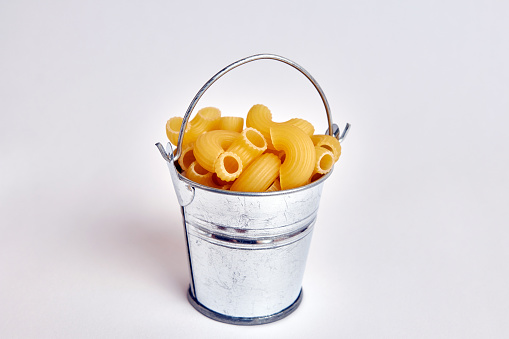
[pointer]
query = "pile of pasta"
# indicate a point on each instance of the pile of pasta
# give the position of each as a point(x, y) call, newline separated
point(265, 156)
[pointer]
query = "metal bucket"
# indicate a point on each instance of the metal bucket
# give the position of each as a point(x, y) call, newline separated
point(247, 251)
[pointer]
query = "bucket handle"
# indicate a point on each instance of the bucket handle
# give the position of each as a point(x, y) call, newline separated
point(185, 192)
point(333, 129)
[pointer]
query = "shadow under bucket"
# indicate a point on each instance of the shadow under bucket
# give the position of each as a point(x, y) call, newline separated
point(247, 251)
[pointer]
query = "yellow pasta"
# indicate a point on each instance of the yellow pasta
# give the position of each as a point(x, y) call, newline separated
point(276, 186)
point(200, 175)
point(173, 129)
point(304, 125)
point(259, 175)
point(219, 182)
point(328, 142)
point(228, 166)
point(207, 119)
point(210, 145)
point(248, 146)
point(235, 124)
point(324, 160)
point(187, 156)
point(315, 177)
point(300, 154)
point(260, 117)
point(266, 156)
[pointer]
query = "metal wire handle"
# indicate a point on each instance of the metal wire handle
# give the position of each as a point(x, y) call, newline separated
point(332, 129)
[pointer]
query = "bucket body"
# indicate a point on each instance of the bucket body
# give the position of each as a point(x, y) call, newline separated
point(247, 251)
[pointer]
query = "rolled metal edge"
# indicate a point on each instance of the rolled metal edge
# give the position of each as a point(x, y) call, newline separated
point(243, 321)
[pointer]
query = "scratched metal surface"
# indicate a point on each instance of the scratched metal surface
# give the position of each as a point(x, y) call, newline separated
point(248, 253)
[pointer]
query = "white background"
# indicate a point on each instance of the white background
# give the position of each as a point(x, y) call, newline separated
point(412, 234)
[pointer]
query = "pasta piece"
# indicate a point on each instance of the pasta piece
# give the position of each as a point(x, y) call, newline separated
point(248, 146)
point(228, 166)
point(173, 129)
point(187, 156)
point(235, 124)
point(328, 142)
point(304, 125)
point(324, 160)
point(259, 175)
point(300, 153)
point(200, 175)
point(260, 117)
point(280, 154)
point(207, 119)
point(219, 182)
point(315, 177)
point(210, 145)
point(276, 186)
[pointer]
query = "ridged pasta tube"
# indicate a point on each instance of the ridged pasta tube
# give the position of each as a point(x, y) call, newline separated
point(324, 160)
point(300, 154)
point(260, 117)
point(228, 166)
point(235, 124)
point(248, 146)
point(276, 186)
point(173, 129)
point(259, 175)
point(187, 156)
point(328, 142)
point(210, 145)
point(207, 119)
point(200, 175)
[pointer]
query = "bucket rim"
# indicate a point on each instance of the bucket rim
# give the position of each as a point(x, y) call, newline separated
point(243, 193)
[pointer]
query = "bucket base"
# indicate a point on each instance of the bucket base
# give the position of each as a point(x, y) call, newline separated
point(243, 320)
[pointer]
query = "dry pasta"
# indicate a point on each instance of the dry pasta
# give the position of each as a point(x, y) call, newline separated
point(324, 160)
point(248, 146)
point(173, 129)
point(200, 175)
point(328, 142)
point(210, 145)
point(235, 124)
point(266, 156)
point(276, 186)
point(187, 156)
point(260, 117)
point(207, 119)
point(300, 154)
point(228, 166)
point(259, 175)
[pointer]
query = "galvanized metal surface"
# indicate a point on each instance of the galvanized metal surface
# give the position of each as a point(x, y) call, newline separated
point(247, 250)
point(248, 254)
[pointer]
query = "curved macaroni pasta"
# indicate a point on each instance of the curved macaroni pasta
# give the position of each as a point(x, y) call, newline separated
point(200, 175)
point(328, 142)
point(304, 125)
point(235, 124)
point(210, 145)
point(207, 119)
point(228, 166)
point(260, 117)
point(248, 146)
point(259, 175)
point(300, 153)
point(266, 156)
point(173, 129)
point(276, 186)
point(324, 160)
point(187, 156)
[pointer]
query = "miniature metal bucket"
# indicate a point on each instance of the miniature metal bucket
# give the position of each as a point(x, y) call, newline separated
point(247, 251)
